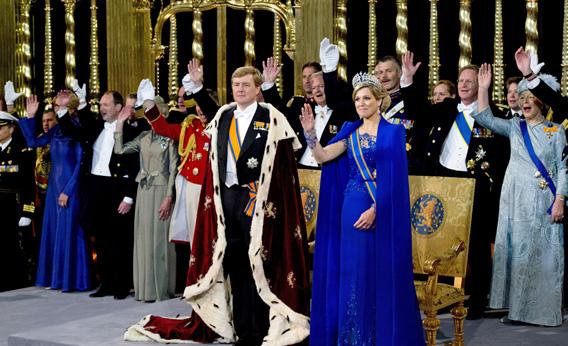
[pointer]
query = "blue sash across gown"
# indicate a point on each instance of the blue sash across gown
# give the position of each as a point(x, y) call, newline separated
point(396, 317)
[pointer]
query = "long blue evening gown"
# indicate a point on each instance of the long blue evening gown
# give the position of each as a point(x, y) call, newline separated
point(63, 261)
point(363, 292)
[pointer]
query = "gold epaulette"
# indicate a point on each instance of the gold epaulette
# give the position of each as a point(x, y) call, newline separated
point(550, 114)
point(502, 107)
point(289, 104)
point(29, 208)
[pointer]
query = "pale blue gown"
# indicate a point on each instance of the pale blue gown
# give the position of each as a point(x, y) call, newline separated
point(528, 264)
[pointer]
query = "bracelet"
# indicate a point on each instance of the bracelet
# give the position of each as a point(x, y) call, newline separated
point(374, 207)
point(311, 139)
point(561, 197)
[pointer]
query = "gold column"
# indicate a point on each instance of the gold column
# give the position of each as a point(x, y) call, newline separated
point(401, 27)
point(197, 45)
point(277, 49)
point(94, 79)
point(23, 53)
point(250, 54)
point(531, 29)
point(222, 54)
point(564, 64)
point(48, 90)
point(434, 64)
point(498, 65)
point(372, 44)
point(465, 33)
point(129, 49)
point(9, 27)
point(341, 38)
point(173, 61)
point(314, 21)
point(69, 42)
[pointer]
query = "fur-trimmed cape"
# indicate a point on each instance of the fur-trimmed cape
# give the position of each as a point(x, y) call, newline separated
point(277, 251)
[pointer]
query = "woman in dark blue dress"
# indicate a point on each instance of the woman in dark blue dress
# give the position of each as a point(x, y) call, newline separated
point(363, 291)
point(63, 261)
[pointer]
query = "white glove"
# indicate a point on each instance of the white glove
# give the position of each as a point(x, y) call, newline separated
point(323, 46)
point(535, 66)
point(24, 221)
point(329, 55)
point(145, 92)
point(81, 92)
point(188, 84)
point(10, 95)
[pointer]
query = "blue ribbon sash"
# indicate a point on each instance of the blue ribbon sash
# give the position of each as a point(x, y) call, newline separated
point(362, 165)
point(539, 165)
point(463, 127)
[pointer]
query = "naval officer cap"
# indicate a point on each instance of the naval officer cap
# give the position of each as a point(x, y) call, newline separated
point(7, 119)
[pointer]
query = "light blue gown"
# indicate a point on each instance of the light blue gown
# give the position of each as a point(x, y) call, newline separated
point(528, 264)
point(63, 261)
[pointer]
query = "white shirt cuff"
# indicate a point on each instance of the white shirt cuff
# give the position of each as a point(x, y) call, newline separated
point(533, 83)
point(194, 90)
point(61, 112)
point(404, 82)
point(128, 200)
point(266, 85)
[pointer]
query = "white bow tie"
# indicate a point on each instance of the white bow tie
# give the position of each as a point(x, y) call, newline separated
point(469, 108)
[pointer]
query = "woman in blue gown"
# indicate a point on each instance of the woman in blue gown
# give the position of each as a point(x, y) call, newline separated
point(363, 291)
point(63, 261)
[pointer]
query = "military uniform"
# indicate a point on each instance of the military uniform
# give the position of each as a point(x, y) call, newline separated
point(401, 111)
point(16, 201)
point(482, 163)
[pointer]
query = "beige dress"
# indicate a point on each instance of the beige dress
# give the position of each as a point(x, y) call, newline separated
point(154, 256)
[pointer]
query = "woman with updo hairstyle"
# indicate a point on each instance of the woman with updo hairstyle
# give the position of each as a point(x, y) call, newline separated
point(363, 291)
point(528, 261)
point(154, 269)
point(442, 90)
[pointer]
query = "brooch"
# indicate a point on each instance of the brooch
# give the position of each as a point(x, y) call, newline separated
point(480, 153)
point(333, 129)
point(252, 163)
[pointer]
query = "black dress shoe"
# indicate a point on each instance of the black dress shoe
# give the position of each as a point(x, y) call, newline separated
point(101, 292)
point(121, 295)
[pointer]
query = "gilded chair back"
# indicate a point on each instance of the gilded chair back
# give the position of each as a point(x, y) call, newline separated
point(309, 191)
point(440, 210)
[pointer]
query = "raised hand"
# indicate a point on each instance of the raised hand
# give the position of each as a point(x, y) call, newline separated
point(10, 94)
point(195, 71)
point(409, 68)
point(523, 60)
point(307, 118)
point(323, 46)
point(32, 105)
point(270, 70)
point(329, 55)
point(484, 76)
point(535, 66)
point(81, 92)
point(145, 92)
point(124, 114)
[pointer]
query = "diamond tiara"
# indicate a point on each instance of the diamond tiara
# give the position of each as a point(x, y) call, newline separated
point(365, 78)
